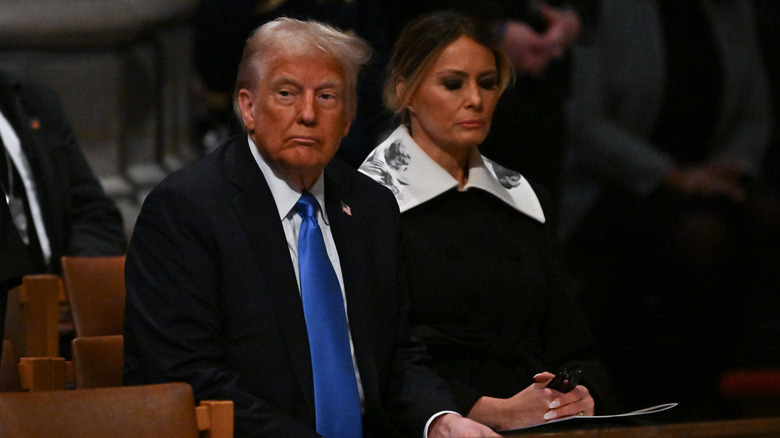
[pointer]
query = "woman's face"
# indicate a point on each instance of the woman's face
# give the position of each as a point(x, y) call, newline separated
point(454, 103)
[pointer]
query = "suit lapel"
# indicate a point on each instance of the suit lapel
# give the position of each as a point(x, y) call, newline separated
point(8, 101)
point(255, 207)
point(256, 210)
point(349, 235)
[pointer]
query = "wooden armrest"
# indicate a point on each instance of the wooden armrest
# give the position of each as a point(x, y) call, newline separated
point(215, 418)
point(45, 373)
point(761, 382)
point(33, 314)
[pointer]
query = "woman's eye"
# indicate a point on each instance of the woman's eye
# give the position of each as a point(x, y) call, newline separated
point(452, 84)
point(489, 83)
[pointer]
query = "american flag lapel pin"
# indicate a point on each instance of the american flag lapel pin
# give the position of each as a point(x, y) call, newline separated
point(345, 208)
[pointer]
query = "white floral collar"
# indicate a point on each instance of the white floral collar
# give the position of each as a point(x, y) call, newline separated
point(401, 165)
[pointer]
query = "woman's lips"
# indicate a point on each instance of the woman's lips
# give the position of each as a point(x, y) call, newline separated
point(472, 123)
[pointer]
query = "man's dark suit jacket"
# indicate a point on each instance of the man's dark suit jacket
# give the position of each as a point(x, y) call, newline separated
point(80, 219)
point(212, 299)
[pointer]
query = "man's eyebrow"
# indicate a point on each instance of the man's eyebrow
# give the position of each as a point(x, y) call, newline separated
point(336, 83)
point(284, 80)
point(281, 81)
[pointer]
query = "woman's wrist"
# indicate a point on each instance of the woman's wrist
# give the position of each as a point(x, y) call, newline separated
point(487, 411)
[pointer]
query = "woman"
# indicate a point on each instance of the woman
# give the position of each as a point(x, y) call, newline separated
point(484, 275)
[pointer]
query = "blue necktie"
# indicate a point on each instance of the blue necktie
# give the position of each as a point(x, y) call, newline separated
point(336, 398)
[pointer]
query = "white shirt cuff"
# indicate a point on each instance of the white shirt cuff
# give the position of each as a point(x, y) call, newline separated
point(430, 420)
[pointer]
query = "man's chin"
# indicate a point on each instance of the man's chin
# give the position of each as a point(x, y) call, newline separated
point(302, 172)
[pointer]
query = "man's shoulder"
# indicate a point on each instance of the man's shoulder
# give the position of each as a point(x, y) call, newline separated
point(346, 173)
point(359, 185)
point(10, 80)
point(203, 178)
point(34, 99)
point(35, 92)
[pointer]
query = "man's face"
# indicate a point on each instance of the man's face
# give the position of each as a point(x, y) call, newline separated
point(297, 114)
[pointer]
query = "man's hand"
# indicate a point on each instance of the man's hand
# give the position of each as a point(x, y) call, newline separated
point(563, 28)
point(533, 405)
point(453, 426)
point(531, 52)
point(526, 49)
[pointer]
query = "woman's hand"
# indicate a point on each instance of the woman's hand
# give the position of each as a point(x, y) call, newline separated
point(535, 404)
point(575, 402)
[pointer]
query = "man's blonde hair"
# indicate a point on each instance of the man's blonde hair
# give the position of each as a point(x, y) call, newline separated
point(297, 37)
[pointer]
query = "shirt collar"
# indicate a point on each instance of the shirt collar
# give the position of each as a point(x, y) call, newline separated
point(401, 165)
point(284, 194)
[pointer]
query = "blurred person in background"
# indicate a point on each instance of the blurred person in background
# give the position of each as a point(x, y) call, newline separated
point(54, 204)
point(664, 198)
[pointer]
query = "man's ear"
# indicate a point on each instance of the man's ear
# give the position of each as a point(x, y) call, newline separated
point(246, 104)
point(347, 125)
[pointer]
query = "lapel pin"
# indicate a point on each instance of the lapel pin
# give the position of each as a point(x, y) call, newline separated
point(35, 124)
point(345, 208)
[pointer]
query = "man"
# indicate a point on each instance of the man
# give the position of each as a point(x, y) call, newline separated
point(215, 294)
point(52, 202)
point(56, 202)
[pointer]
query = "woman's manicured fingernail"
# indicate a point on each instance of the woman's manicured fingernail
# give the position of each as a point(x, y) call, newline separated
point(555, 404)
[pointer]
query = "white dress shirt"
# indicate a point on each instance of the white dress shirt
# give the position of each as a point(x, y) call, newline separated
point(14, 148)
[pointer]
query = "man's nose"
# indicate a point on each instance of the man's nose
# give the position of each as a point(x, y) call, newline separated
point(307, 112)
